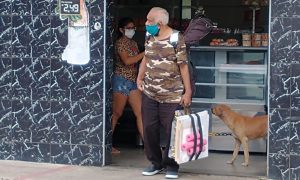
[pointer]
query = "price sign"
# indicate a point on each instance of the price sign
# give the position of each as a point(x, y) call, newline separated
point(69, 7)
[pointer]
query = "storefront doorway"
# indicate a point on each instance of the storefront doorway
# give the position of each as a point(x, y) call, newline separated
point(249, 99)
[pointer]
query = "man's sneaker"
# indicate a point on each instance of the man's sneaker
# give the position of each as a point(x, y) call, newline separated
point(171, 175)
point(150, 171)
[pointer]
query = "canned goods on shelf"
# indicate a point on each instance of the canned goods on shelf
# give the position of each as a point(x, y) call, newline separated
point(246, 43)
point(256, 43)
point(264, 36)
point(264, 43)
point(246, 37)
point(256, 37)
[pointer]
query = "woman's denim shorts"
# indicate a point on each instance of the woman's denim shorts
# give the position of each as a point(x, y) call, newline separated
point(123, 85)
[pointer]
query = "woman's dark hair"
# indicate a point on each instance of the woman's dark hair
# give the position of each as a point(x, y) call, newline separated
point(122, 23)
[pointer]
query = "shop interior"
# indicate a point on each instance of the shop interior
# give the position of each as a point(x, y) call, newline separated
point(227, 73)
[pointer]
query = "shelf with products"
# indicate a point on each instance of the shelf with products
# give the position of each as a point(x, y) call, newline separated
point(231, 75)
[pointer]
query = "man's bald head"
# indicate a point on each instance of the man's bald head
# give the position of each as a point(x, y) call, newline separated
point(159, 15)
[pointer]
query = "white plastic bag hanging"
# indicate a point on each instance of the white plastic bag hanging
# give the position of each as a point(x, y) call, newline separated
point(189, 140)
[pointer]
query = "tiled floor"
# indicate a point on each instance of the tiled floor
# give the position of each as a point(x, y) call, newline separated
point(215, 164)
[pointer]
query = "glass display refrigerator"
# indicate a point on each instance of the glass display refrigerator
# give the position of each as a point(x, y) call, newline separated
point(235, 76)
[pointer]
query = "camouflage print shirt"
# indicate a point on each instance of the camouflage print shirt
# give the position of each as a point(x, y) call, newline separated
point(163, 81)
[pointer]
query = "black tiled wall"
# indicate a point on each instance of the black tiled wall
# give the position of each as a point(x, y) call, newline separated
point(50, 111)
point(284, 141)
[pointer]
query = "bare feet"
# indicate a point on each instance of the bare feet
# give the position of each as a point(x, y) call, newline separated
point(115, 151)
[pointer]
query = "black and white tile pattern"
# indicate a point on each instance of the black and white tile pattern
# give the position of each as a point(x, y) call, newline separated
point(284, 95)
point(5, 35)
point(50, 111)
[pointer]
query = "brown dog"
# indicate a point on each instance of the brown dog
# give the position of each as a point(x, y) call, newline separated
point(244, 128)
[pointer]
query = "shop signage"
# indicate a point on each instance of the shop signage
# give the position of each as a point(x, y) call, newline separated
point(69, 7)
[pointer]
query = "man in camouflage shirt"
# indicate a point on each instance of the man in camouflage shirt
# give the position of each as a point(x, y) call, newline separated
point(164, 80)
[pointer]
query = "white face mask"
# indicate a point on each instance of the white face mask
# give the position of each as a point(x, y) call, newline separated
point(129, 33)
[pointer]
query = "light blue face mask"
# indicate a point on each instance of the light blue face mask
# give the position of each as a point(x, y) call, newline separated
point(152, 29)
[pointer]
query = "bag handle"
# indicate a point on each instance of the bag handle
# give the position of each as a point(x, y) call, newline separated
point(187, 110)
point(195, 137)
point(201, 135)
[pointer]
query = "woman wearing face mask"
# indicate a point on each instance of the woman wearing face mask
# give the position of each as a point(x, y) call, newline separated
point(125, 74)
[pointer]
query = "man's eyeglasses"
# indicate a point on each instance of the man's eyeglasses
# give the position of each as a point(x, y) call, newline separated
point(134, 28)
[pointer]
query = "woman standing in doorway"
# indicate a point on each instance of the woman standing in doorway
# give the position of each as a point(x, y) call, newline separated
point(125, 74)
